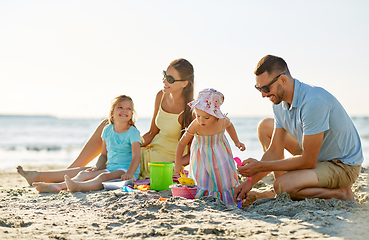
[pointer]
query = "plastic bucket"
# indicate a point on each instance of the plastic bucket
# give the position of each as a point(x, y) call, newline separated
point(188, 193)
point(161, 175)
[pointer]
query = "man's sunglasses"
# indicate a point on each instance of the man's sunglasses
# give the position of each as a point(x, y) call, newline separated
point(170, 79)
point(266, 87)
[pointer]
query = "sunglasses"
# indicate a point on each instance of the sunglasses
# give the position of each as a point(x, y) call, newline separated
point(170, 79)
point(266, 87)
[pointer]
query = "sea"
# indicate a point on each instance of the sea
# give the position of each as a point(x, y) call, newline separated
point(33, 141)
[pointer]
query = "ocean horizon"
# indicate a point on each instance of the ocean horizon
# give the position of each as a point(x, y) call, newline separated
point(43, 140)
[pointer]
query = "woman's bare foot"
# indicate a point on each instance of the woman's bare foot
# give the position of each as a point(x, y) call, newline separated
point(30, 176)
point(72, 186)
point(48, 187)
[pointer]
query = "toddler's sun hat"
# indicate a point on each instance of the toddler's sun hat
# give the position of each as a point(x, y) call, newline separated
point(209, 101)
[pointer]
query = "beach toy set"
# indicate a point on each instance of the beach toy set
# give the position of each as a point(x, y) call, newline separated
point(186, 188)
point(161, 178)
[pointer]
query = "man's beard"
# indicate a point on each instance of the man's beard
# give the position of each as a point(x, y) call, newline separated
point(278, 97)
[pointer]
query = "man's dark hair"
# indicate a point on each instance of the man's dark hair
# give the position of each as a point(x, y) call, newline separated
point(271, 64)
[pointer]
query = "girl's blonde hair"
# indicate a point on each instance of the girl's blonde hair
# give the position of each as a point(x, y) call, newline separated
point(115, 101)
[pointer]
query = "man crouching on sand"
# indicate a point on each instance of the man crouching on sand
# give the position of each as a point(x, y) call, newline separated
point(313, 126)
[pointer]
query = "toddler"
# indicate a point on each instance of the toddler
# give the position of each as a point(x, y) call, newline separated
point(211, 162)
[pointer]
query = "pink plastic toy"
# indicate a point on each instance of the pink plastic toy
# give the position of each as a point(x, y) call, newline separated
point(239, 163)
point(184, 191)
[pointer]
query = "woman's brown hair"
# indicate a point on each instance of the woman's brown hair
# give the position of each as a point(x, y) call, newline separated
point(185, 70)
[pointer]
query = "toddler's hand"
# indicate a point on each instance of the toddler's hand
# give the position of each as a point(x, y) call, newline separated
point(126, 176)
point(240, 146)
point(177, 168)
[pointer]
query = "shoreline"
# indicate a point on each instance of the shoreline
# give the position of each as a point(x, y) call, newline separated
point(24, 213)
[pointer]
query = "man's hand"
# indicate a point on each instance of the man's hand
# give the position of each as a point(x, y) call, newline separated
point(240, 192)
point(250, 167)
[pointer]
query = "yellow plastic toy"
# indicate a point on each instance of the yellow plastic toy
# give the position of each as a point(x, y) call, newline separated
point(143, 187)
point(185, 180)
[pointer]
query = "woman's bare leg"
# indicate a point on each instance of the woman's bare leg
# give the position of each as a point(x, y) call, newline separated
point(52, 176)
point(91, 149)
point(92, 184)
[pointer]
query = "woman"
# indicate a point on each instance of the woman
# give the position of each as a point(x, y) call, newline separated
point(171, 116)
point(171, 112)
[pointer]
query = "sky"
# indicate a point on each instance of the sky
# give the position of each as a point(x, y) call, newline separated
point(69, 59)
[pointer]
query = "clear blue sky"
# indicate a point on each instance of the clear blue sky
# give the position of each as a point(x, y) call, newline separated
point(70, 58)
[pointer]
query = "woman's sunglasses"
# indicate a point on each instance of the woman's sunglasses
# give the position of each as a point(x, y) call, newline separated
point(266, 88)
point(170, 79)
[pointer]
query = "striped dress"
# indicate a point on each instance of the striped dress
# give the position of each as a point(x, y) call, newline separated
point(212, 167)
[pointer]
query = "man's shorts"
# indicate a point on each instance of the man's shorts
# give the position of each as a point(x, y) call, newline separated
point(335, 174)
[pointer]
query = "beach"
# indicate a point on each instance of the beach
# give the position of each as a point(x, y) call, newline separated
point(42, 143)
point(27, 214)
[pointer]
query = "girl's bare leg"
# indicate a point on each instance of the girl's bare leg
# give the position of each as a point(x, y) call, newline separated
point(49, 187)
point(92, 184)
point(57, 187)
point(91, 149)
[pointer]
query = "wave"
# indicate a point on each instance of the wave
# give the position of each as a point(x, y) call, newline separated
point(38, 148)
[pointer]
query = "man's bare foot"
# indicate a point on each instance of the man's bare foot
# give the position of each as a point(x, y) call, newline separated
point(72, 186)
point(47, 187)
point(30, 176)
point(347, 194)
point(253, 195)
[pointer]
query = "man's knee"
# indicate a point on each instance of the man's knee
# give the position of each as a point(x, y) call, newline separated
point(265, 132)
point(282, 184)
point(279, 186)
point(266, 126)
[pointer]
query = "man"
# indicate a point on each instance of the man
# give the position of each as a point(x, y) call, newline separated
point(314, 127)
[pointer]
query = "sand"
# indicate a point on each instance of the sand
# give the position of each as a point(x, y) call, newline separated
point(27, 214)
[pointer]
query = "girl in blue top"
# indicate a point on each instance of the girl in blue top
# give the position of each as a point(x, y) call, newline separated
point(121, 153)
point(121, 150)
